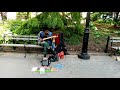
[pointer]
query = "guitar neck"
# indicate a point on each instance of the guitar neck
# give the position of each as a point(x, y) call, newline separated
point(48, 38)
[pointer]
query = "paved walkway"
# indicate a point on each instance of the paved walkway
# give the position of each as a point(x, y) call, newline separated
point(14, 65)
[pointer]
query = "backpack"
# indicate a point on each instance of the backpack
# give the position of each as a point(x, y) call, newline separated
point(53, 58)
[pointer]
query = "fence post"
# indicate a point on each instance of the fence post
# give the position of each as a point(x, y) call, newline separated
point(13, 41)
point(106, 49)
point(29, 39)
point(4, 38)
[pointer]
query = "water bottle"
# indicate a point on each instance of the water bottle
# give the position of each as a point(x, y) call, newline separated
point(42, 70)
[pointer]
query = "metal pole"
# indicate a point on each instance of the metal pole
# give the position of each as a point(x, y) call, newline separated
point(84, 54)
point(106, 49)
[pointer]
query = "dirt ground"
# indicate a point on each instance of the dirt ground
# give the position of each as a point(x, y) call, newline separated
point(92, 45)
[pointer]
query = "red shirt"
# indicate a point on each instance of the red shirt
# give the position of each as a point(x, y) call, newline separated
point(57, 40)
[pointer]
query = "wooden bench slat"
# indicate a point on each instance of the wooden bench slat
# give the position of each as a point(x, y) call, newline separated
point(115, 47)
point(13, 45)
point(20, 45)
point(36, 46)
point(114, 40)
point(23, 38)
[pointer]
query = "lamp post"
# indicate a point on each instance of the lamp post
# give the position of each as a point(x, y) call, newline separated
point(84, 54)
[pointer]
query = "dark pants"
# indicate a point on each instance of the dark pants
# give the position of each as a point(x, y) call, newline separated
point(46, 46)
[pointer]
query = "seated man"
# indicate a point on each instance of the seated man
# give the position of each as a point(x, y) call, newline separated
point(47, 44)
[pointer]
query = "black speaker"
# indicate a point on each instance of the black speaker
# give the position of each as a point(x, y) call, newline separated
point(45, 62)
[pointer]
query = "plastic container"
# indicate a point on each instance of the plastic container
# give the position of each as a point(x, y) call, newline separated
point(42, 70)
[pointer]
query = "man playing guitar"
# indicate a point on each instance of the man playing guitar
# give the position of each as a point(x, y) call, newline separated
point(47, 40)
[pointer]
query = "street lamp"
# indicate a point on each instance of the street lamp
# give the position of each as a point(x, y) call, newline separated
point(84, 54)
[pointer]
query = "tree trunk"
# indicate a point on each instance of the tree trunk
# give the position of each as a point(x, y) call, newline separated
point(27, 15)
point(63, 13)
point(116, 19)
point(2, 16)
point(36, 13)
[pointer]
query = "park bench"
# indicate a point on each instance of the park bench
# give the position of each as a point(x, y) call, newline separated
point(15, 38)
point(114, 45)
point(28, 38)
